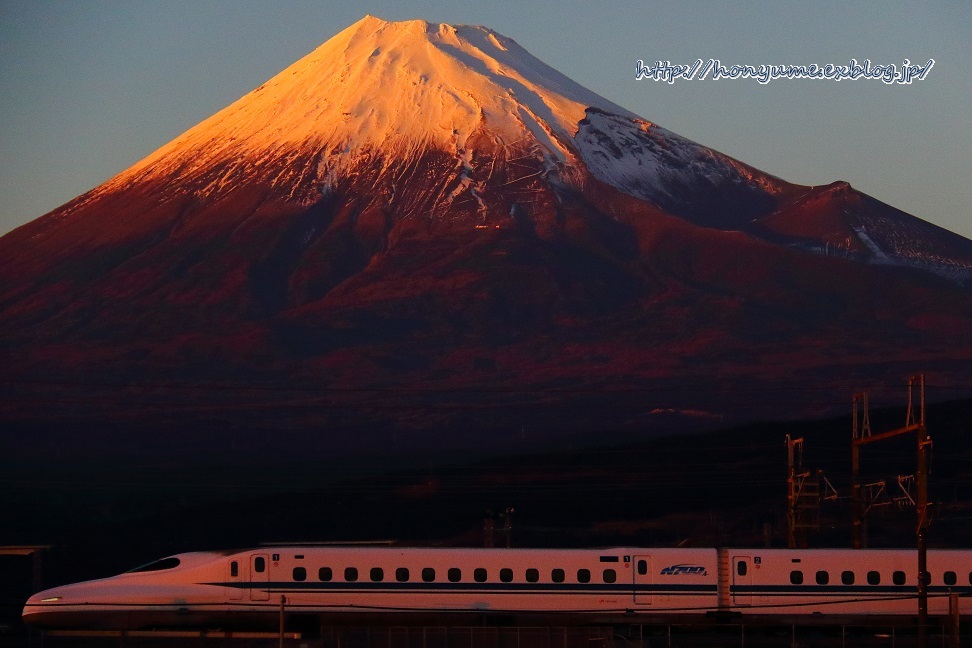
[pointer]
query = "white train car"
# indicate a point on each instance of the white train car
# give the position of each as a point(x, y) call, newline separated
point(223, 588)
point(374, 584)
point(841, 581)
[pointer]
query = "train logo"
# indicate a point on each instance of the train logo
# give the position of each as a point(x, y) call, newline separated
point(689, 570)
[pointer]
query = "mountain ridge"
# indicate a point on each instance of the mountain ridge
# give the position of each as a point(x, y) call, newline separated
point(317, 232)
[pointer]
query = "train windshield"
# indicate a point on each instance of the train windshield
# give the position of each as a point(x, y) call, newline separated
point(158, 565)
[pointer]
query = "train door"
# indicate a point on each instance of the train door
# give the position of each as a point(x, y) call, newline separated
point(259, 577)
point(642, 580)
point(235, 591)
point(742, 580)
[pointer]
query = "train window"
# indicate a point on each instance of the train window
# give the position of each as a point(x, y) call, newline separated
point(506, 574)
point(324, 574)
point(796, 577)
point(300, 574)
point(823, 577)
point(401, 574)
point(159, 565)
point(454, 575)
point(610, 575)
point(428, 574)
point(351, 574)
point(847, 577)
point(898, 578)
point(557, 575)
point(642, 567)
point(479, 575)
point(927, 578)
point(583, 576)
point(377, 574)
point(970, 578)
point(234, 569)
point(532, 575)
point(873, 578)
point(259, 564)
point(949, 578)
point(742, 567)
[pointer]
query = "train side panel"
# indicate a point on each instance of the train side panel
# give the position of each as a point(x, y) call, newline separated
point(681, 581)
point(626, 580)
point(363, 580)
point(844, 582)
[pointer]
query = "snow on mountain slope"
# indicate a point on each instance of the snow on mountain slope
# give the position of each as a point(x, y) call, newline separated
point(910, 242)
point(394, 91)
point(837, 220)
point(654, 164)
point(397, 88)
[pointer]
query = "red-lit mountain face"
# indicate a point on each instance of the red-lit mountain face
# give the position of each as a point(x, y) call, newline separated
point(423, 226)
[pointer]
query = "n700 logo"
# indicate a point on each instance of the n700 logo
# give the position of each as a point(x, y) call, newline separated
point(692, 570)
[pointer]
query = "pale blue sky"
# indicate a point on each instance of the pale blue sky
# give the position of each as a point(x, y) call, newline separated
point(89, 88)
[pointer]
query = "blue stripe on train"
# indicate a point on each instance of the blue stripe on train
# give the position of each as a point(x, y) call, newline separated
point(962, 590)
point(545, 588)
point(580, 588)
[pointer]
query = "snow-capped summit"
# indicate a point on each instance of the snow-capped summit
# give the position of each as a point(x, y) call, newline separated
point(397, 88)
point(391, 93)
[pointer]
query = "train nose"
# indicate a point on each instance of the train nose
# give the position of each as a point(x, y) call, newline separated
point(44, 607)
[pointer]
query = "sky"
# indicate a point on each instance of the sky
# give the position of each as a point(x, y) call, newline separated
point(89, 88)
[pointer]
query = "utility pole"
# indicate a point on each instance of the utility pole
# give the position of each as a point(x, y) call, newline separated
point(791, 489)
point(489, 526)
point(924, 443)
point(954, 616)
point(803, 495)
point(861, 435)
point(507, 529)
point(858, 432)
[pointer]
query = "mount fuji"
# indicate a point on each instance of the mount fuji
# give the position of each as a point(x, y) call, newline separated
point(421, 234)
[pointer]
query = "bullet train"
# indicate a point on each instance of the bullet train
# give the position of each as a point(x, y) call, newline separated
point(626, 584)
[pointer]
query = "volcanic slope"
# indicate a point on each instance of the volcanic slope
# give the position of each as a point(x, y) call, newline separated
point(422, 225)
